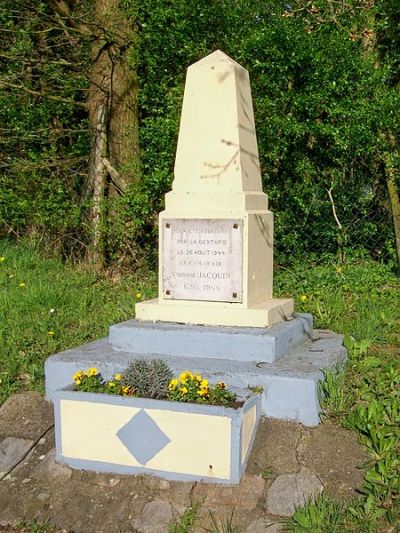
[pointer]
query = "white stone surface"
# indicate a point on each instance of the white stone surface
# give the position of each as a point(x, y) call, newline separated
point(202, 259)
point(217, 145)
point(217, 178)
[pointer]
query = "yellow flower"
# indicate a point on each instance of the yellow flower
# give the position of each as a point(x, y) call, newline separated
point(204, 383)
point(126, 391)
point(303, 298)
point(2, 259)
point(78, 381)
point(50, 333)
point(118, 377)
point(92, 372)
point(184, 376)
point(111, 384)
point(78, 375)
point(221, 385)
point(184, 390)
point(198, 377)
point(138, 295)
point(173, 384)
point(22, 285)
point(202, 392)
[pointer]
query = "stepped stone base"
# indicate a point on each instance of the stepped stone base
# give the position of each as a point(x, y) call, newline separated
point(237, 344)
point(290, 390)
point(264, 314)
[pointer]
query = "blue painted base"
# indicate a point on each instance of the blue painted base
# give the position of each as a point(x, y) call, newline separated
point(211, 342)
point(289, 383)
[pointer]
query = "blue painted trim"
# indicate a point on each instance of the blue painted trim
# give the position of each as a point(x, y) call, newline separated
point(57, 430)
point(257, 401)
point(147, 403)
point(99, 466)
point(235, 448)
point(237, 467)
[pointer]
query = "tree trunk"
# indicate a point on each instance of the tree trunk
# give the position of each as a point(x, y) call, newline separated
point(113, 83)
point(112, 107)
point(97, 175)
point(394, 199)
point(113, 96)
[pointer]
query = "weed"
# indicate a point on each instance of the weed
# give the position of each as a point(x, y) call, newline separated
point(266, 473)
point(316, 515)
point(257, 389)
point(187, 520)
point(225, 525)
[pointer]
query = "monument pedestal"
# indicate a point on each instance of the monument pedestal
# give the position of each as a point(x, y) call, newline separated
point(264, 314)
point(215, 313)
point(285, 361)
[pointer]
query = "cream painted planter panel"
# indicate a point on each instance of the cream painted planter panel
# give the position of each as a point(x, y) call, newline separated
point(174, 440)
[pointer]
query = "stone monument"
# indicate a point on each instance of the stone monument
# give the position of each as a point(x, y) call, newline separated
point(215, 312)
point(216, 233)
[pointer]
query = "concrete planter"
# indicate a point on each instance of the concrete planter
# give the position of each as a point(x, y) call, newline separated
point(173, 440)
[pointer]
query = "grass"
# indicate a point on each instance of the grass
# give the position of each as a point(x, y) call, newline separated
point(48, 306)
point(360, 299)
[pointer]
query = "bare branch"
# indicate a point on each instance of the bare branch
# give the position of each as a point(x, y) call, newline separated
point(7, 85)
point(334, 209)
point(116, 177)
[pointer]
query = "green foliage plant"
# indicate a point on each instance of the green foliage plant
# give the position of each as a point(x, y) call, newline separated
point(187, 520)
point(316, 515)
point(153, 379)
point(223, 525)
point(149, 379)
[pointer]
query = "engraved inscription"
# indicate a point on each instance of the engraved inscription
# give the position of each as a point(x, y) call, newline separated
point(202, 259)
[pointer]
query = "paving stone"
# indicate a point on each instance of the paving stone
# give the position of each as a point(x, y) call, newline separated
point(242, 496)
point(25, 415)
point(155, 483)
point(275, 447)
point(180, 495)
point(264, 525)
point(49, 469)
point(338, 458)
point(156, 517)
point(12, 451)
point(43, 497)
point(290, 491)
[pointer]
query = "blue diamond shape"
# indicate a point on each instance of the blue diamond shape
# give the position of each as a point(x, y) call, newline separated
point(142, 437)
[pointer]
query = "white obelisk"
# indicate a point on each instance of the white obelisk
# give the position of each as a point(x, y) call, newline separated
point(216, 233)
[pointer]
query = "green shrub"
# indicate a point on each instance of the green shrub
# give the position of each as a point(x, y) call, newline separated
point(149, 379)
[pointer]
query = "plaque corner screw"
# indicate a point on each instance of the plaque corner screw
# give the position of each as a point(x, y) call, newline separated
point(234, 295)
point(167, 225)
point(235, 226)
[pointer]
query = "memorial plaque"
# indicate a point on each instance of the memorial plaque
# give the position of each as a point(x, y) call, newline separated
point(202, 259)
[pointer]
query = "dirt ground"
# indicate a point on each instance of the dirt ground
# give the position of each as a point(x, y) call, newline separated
point(324, 458)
